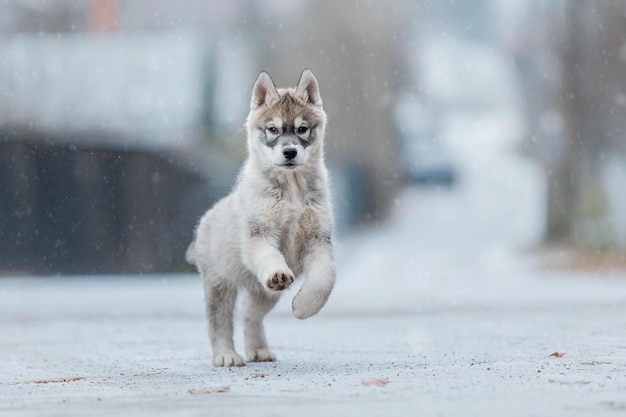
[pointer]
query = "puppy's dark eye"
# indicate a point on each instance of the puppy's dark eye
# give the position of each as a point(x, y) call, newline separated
point(272, 130)
point(302, 130)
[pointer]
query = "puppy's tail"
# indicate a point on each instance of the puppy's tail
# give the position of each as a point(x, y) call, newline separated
point(190, 255)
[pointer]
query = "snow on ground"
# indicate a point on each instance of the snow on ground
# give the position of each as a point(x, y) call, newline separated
point(439, 311)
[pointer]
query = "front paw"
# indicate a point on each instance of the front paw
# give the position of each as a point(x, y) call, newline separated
point(308, 302)
point(279, 281)
point(227, 358)
point(261, 355)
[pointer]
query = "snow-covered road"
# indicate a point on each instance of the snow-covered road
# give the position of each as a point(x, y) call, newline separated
point(441, 310)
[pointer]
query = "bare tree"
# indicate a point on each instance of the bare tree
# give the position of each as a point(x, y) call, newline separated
point(591, 78)
point(571, 70)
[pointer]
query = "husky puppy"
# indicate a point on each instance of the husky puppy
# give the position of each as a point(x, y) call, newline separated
point(274, 226)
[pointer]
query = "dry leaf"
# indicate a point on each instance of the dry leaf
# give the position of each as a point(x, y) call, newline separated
point(52, 380)
point(208, 390)
point(558, 354)
point(254, 376)
point(380, 382)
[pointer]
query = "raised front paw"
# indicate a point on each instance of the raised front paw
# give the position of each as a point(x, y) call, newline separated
point(309, 301)
point(280, 281)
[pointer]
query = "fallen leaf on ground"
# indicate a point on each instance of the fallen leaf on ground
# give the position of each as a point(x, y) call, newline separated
point(558, 354)
point(214, 390)
point(254, 376)
point(52, 380)
point(380, 382)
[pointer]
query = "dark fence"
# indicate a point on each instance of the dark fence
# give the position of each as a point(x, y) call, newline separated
point(94, 209)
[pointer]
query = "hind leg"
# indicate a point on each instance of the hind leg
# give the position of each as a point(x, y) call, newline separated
point(256, 305)
point(220, 300)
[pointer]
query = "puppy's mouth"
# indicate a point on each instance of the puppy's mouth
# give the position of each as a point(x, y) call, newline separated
point(289, 165)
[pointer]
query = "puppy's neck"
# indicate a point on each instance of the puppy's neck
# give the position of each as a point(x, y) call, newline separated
point(303, 185)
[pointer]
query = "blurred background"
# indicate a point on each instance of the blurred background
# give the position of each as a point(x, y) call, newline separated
point(121, 122)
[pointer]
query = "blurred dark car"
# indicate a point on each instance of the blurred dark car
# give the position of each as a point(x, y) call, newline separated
point(425, 158)
point(427, 162)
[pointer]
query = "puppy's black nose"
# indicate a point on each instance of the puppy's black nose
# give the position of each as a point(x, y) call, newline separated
point(290, 153)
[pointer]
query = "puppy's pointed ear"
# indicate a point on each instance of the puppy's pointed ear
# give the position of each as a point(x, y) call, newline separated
point(264, 92)
point(308, 89)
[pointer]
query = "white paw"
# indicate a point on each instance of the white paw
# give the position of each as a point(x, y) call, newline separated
point(227, 358)
point(279, 281)
point(306, 304)
point(261, 355)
